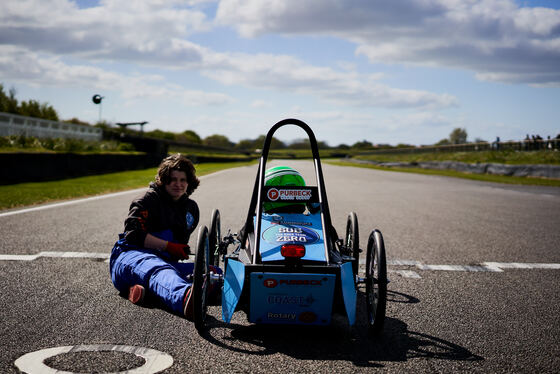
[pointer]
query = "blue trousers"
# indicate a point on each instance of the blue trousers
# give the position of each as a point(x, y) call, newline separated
point(155, 270)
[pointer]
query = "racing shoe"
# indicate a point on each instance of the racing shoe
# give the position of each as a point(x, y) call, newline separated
point(188, 305)
point(136, 294)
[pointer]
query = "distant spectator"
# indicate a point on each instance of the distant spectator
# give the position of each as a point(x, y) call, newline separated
point(496, 144)
point(539, 142)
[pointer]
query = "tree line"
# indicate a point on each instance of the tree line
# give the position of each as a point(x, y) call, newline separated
point(31, 108)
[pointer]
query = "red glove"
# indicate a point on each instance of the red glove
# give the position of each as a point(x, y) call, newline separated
point(178, 250)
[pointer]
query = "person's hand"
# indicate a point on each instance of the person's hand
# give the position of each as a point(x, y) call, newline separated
point(178, 250)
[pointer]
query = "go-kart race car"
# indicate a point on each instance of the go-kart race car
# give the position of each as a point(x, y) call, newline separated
point(289, 267)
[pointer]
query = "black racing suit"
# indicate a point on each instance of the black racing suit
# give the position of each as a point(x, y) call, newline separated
point(156, 213)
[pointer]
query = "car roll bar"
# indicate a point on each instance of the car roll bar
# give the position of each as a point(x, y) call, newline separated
point(257, 197)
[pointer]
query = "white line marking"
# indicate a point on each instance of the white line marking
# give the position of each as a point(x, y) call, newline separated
point(155, 361)
point(483, 268)
point(403, 262)
point(518, 265)
point(406, 273)
point(546, 266)
point(70, 202)
point(440, 267)
point(492, 267)
point(18, 257)
point(472, 268)
point(54, 255)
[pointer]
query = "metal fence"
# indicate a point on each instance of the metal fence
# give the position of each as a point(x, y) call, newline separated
point(525, 145)
point(13, 124)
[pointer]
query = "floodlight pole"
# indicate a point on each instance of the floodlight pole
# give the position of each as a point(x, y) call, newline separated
point(98, 99)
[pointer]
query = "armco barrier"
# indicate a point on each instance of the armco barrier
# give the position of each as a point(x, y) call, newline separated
point(36, 167)
point(524, 145)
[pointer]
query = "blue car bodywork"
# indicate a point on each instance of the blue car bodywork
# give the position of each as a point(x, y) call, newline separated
point(280, 297)
point(273, 289)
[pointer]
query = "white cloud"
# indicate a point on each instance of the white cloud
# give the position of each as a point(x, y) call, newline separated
point(260, 104)
point(420, 121)
point(494, 38)
point(20, 65)
point(149, 31)
point(152, 33)
point(291, 74)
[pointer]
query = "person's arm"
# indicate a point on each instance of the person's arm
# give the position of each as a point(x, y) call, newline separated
point(177, 250)
point(139, 220)
point(154, 242)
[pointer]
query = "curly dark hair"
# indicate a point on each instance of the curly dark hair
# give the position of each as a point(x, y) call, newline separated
point(180, 163)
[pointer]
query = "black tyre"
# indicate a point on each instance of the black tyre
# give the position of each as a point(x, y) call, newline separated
point(201, 279)
point(352, 240)
point(376, 282)
point(214, 239)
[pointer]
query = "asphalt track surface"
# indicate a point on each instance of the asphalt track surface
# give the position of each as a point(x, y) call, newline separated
point(465, 315)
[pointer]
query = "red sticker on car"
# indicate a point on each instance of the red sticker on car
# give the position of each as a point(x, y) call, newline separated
point(273, 194)
point(270, 283)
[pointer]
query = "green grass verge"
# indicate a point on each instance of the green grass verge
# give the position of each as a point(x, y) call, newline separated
point(457, 174)
point(24, 194)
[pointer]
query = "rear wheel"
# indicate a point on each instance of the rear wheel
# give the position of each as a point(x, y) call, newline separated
point(376, 282)
point(214, 238)
point(201, 279)
point(352, 240)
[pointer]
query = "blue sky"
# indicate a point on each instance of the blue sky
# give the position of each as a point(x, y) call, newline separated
point(383, 71)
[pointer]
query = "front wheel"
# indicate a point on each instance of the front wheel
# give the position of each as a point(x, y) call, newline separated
point(352, 240)
point(376, 282)
point(201, 279)
point(214, 238)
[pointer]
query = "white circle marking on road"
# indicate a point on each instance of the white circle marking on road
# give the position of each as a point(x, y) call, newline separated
point(32, 363)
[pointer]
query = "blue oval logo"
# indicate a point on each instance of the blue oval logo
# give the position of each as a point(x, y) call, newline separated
point(279, 234)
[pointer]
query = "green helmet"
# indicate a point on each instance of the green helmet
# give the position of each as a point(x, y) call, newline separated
point(283, 176)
